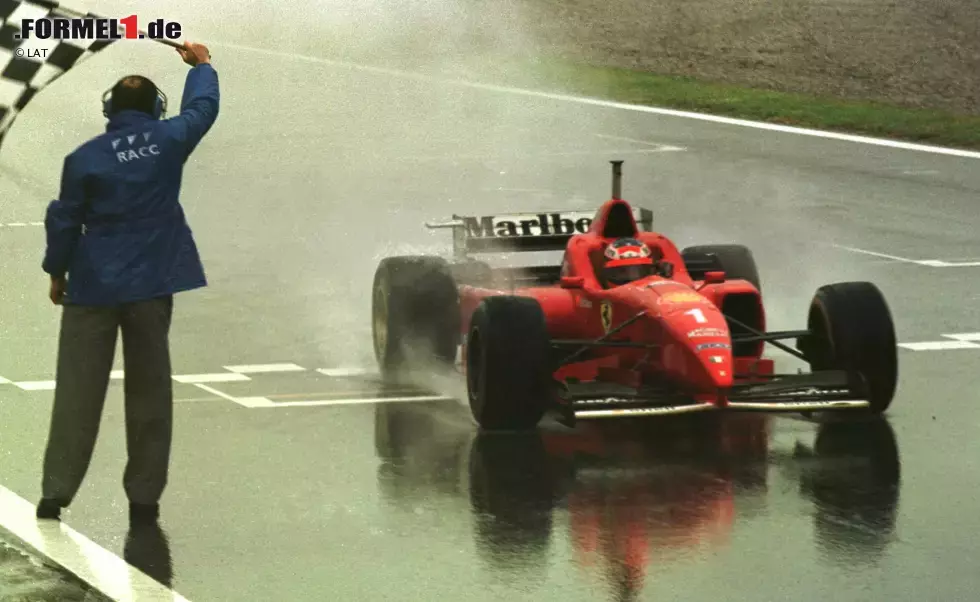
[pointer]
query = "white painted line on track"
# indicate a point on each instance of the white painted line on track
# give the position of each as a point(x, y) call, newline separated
point(218, 377)
point(347, 371)
point(117, 375)
point(221, 394)
point(253, 402)
point(182, 400)
point(4, 381)
point(932, 263)
point(939, 345)
point(876, 254)
point(546, 154)
point(20, 224)
point(638, 141)
point(265, 368)
point(965, 336)
point(939, 263)
point(89, 561)
point(355, 401)
point(614, 105)
point(36, 385)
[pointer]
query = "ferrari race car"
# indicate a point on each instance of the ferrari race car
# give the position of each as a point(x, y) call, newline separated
point(687, 335)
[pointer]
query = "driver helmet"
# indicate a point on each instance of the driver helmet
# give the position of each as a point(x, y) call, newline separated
point(627, 260)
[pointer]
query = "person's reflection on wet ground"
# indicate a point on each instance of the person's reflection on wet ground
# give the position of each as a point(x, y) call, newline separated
point(638, 496)
point(148, 549)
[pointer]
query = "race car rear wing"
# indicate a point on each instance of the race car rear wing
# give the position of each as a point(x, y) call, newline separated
point(542, 231)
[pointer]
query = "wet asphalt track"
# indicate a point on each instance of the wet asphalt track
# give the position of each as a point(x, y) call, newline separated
point(403, 500)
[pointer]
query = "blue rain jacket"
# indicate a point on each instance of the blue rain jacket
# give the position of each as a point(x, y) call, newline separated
point(117, 229)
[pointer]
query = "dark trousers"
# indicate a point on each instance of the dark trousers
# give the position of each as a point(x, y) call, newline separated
point(86, 349)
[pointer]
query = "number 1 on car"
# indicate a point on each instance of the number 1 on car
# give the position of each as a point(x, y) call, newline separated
point(698, 315)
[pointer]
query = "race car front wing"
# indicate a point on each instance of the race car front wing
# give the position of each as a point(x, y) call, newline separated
point(797, 393)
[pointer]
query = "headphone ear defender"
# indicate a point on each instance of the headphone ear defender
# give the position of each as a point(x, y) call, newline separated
point(107, 102)
point(159, 104)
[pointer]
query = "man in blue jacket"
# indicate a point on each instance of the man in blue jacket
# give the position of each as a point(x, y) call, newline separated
point(118, 249)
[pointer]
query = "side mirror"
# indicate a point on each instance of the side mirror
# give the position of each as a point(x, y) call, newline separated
point(714, 277)
point(572, 282)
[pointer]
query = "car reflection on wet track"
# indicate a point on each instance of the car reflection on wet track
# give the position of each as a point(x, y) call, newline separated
point(853, 481)
point(637, 496)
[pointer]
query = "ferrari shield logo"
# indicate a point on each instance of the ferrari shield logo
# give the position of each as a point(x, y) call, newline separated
point(605, 312)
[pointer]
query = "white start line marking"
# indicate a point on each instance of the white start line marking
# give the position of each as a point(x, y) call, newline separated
point(968, 336)
point(341, 372)
point(966, 340)
point(240, 373)
point(265, 368)
point(262, 402)
point(939, 345)
point(68, 548)
point(239, 400)
point(236, 373)
point(20, 224)
point(219, 377)
point(36, 385)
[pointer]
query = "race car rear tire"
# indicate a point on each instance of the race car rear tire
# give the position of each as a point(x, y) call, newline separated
point(415, 313)
point(738, 264)
point(507, 363)
point(851, 329)
point(735, 260)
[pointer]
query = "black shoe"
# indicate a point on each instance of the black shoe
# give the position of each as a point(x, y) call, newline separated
point(144, 513)
point(49, 509)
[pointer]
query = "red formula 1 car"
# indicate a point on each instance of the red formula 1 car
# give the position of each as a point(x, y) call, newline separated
point(686, 335)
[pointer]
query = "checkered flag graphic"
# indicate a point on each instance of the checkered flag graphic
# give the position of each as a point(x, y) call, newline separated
point(25, 73)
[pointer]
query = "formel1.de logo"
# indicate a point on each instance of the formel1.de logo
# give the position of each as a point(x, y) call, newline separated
point(97, 28)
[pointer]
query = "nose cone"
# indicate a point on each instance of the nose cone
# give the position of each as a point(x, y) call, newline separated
point(716, 359)
point(701, 334)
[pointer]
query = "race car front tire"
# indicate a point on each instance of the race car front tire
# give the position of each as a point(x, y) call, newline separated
point(850, 328)
point(415, 313)
point(507, 364)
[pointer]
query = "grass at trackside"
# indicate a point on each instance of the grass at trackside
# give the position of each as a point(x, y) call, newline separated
point(866, 118)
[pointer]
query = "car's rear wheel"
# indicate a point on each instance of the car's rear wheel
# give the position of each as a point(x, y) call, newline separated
point(740, 309)
point(473, 273)
point(415, 313)
point(736, 261)
point(851, 329)
point(507, 363)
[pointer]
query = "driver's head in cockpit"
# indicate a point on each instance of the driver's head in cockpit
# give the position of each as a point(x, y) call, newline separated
point(627, 260)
